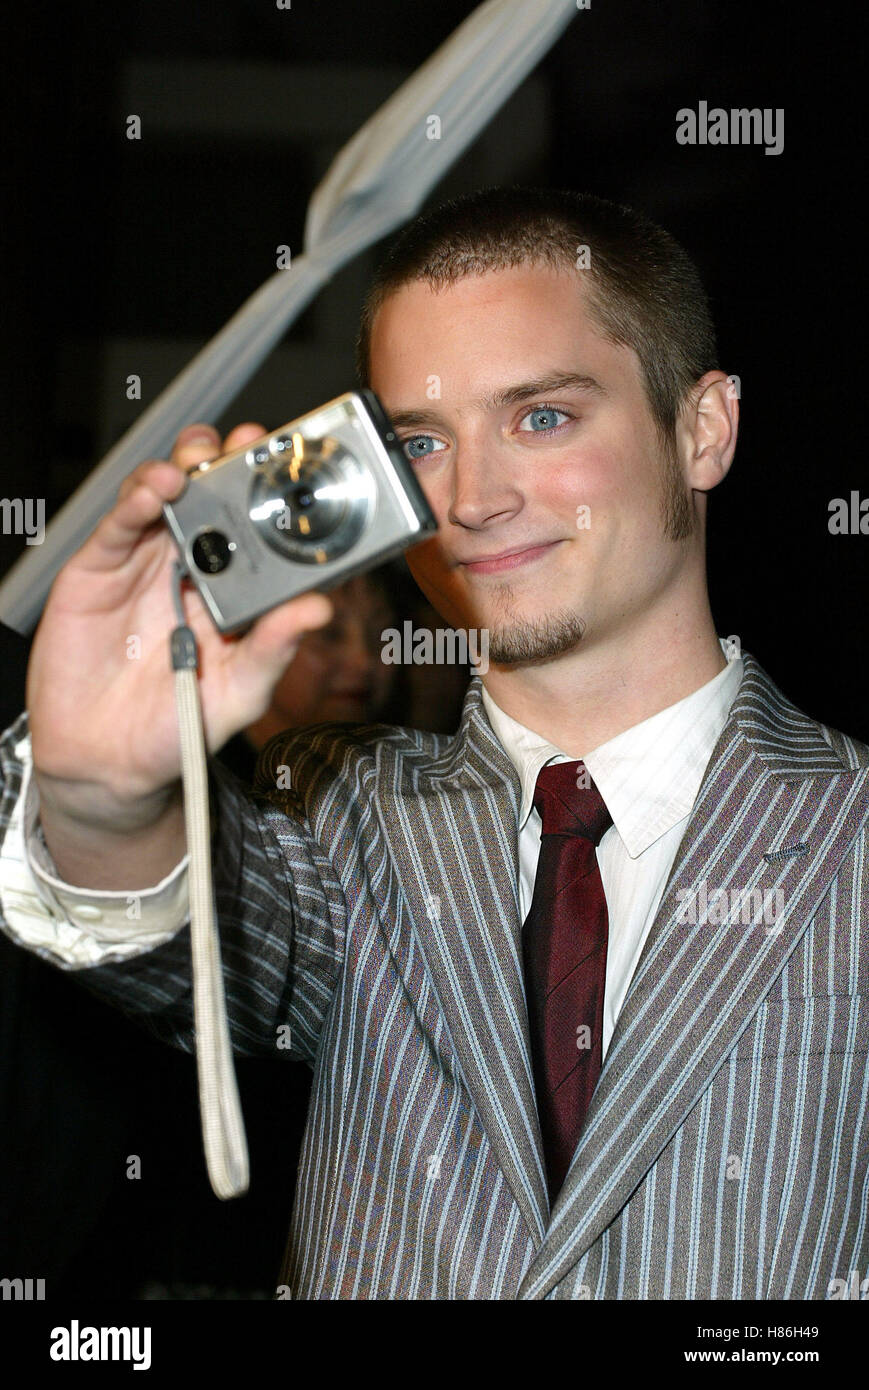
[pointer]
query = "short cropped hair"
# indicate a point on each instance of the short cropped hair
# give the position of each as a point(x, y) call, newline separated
point(642, 289)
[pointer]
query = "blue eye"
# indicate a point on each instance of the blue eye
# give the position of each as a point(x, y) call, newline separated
point(543, 419)
point(419, 446)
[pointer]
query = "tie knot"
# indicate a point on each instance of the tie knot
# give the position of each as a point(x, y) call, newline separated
point(569, 803)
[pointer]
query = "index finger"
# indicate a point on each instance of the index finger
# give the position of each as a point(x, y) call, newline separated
point(138, 509)
point(195, 444)
point(200, 443)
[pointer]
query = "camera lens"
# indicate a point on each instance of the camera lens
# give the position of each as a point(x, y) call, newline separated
point(312, 501)
point(211, 552)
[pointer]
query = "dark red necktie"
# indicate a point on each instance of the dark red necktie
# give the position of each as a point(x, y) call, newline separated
point(564, 945)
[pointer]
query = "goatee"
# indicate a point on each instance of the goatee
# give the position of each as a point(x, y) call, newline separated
point(520, 643)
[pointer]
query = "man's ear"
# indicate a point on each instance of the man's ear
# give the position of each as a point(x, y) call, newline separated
point(707, 429)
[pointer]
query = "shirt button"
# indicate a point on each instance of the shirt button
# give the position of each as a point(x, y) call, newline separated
point(87, 913)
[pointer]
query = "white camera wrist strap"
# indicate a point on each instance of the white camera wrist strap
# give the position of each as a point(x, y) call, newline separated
point(220, 1108)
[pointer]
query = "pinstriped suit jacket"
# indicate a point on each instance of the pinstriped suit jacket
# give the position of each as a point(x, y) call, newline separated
point(374, 908)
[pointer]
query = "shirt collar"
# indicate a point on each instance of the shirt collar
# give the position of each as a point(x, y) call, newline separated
point(649, 776)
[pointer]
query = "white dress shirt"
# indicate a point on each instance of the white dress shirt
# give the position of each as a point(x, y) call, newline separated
point(648, 776)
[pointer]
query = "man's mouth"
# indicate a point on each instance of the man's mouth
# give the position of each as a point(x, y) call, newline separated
point(507, 559)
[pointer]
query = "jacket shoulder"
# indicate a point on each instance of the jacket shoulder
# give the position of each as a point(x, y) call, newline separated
point(851, 751)
point(312, 760)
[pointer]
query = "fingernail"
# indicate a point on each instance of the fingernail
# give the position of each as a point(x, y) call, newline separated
point(200, 435)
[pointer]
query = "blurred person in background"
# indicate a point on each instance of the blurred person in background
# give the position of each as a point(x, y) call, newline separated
point(337, 674)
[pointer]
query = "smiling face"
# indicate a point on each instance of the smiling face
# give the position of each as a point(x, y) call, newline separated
point(533, 440)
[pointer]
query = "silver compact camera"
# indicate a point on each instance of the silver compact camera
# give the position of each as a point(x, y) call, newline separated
point(305, 507)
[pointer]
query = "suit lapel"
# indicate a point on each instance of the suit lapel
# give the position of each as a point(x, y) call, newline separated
point(452, 828)
point(773, 788)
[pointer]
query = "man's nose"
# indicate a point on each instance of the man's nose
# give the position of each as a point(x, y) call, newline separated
point(483, 489)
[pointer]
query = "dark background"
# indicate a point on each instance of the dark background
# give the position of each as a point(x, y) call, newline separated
point(127, 256)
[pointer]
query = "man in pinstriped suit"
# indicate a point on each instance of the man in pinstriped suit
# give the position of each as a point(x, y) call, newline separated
point(549, 362)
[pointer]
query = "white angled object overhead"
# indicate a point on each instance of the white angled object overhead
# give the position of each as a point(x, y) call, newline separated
point(377, 181)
